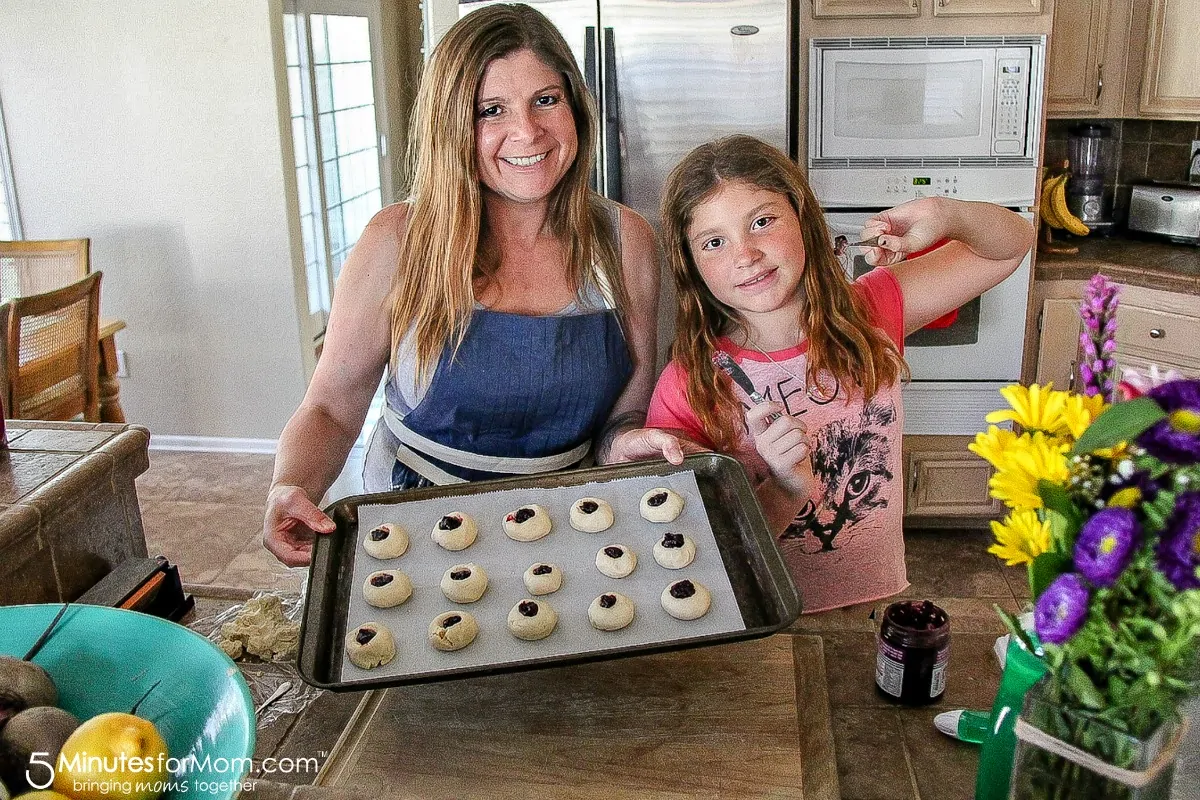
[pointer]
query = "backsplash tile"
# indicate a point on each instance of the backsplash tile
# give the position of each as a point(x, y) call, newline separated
point(1142, 150)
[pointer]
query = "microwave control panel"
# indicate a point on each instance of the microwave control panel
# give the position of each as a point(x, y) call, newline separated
point(1012, 101)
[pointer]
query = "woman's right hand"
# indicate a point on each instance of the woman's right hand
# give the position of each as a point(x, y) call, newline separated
point(292, 522)
point(783, 444)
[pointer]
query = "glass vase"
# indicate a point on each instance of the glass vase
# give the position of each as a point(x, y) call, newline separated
point(1040, 772)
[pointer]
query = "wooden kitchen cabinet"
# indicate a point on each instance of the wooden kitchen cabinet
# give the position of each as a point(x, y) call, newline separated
point(1058, 343)
point(835, 9)
point(1124, 58)
point(975, 8)
point(947, 485)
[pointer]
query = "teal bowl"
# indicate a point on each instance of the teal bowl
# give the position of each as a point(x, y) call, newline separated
point(104, 659)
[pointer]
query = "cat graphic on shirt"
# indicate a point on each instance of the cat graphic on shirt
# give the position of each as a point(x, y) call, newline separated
point(850, 459)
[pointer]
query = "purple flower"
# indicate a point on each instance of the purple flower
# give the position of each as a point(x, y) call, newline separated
point(1179, 548)
point(1061, 609)
point(1175, 439)
point(1098, 311)
point(1105, 545)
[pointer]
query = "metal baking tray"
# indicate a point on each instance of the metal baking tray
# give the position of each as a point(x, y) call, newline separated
point(762, 585)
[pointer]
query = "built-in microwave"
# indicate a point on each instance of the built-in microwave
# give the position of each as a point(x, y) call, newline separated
point(923, 104)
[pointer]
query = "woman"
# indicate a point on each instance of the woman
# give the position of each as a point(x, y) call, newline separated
point(514, 308)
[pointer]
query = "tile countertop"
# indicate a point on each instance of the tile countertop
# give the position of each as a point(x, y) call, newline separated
point(1135, 262)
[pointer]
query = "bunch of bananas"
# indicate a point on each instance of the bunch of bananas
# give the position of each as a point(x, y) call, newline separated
point(1054, 205)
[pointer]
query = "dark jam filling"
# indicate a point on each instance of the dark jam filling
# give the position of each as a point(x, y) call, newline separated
point(672, 540)
point(364, 635)
point(543, 569)
point(657, 500)
point(919, 615)
point(379, 534)
point(383, 579)
point(522, 515)
point(460, 574)
point(681, 590)
point(448, 523)
point(613, 552)
point(608, 600)
point(588, 507)
point(527, 608)
point(451, 621)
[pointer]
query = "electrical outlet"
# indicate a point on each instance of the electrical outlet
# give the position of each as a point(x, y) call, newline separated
point(122, 365)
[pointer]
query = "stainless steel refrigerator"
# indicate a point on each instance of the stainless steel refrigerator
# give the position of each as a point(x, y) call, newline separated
point(668, 75)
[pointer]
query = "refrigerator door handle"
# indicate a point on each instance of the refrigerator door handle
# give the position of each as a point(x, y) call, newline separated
point(591, 75)
point(612, 120)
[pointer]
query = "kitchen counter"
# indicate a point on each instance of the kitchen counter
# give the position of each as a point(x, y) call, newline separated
point(1135, 262)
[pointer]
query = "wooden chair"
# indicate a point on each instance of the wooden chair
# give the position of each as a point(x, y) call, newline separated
point(50, 353)
point(36, 267)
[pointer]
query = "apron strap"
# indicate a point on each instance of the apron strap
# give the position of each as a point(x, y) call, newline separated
point(463, 458)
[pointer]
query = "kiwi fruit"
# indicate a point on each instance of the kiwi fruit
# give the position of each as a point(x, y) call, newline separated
point(40, 729)
point(28, 682)
point(4, 795)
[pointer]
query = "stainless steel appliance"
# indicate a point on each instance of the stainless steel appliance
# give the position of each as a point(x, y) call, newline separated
point(1172, 212)
point(669, 75)
point(1090, 150)
point(894, 119)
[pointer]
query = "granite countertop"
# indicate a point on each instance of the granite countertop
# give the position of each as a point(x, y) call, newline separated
point(1135, 262)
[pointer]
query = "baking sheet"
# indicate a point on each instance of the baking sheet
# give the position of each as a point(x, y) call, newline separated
point(506, 560)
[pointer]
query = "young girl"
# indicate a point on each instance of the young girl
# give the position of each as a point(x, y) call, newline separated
point(757, 278)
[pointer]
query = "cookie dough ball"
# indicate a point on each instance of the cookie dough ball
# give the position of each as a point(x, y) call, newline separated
point(591, 515)
point(543, 579)
point(527, 523)
point(370, 645)
point(674, 551)
point(616, 560)
point(532, 620)
point(388, 540)
point(453, 630)
point(686, 599)
point(661, 505)
point(455, 531)
point(464, 583)
point(387, 588)
point(611, 611)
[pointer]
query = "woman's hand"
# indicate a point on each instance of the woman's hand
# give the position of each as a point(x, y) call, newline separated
point(908, 228)
point(291, 524)
point(783, 444)
point(640, 444)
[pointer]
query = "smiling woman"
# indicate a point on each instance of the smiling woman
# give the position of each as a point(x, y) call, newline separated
point(513, 308)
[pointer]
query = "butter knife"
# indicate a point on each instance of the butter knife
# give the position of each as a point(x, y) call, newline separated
point(724, 362)
point(841, 243)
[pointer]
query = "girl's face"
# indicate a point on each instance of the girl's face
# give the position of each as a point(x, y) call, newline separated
point(749, 248)
point(525, 139)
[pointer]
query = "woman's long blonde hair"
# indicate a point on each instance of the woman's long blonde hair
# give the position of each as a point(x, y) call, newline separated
point(444, 249)
point(842, 340)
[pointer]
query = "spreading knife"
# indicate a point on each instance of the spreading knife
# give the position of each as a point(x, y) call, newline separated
point(724, 362)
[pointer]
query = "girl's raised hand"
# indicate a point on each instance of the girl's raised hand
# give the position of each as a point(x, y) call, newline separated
point(783, 444)
point(908, 228)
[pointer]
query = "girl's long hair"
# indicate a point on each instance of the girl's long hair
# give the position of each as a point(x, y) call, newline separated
point(842, 340)
point(445, 248)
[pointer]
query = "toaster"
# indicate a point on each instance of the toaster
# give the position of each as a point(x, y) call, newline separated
point(1169, 211)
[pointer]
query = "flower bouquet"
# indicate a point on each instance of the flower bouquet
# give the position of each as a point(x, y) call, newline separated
point(1103, 489)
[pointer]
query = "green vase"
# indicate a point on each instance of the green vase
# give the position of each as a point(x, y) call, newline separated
point(1039, 774)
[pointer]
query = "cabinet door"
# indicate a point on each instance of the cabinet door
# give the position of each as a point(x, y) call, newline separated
point(1058, 344)
point(1171, 78)
point(1078, 42)
point(1148, 336)
point(832, 9)
point(942, 484)
point(976, 8)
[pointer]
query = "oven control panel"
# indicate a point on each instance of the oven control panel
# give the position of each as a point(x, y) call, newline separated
point(908, 187)
point(862, 188)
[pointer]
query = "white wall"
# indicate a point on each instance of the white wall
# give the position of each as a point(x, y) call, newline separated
point(151, 127)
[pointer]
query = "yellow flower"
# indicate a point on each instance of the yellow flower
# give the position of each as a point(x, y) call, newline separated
point(1080, 411)
point(992, 445)
point(1021, 538)
point(1022, 465)
point(1035, 408)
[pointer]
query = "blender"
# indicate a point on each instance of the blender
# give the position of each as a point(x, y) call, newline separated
point(1089, 148)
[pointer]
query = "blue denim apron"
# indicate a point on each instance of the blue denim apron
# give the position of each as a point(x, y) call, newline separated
point(524, 394)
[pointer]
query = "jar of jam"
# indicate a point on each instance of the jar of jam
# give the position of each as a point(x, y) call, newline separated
point(913, 648)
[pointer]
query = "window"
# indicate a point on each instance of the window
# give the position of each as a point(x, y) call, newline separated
point(333, 86)
point(10, 220)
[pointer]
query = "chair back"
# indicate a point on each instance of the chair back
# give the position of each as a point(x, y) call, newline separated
point(36, 267)
point(51, 351)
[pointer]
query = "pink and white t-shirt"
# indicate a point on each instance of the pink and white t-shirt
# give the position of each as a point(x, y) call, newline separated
point(845, 543)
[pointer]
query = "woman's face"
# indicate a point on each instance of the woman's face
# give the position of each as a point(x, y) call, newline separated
point(525, 137)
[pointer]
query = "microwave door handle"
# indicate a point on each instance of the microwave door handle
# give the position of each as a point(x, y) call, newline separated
point(612, 120)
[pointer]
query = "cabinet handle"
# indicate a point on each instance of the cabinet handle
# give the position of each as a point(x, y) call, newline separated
point(1158, 333)
point(1071, 380)
point(1099, 82)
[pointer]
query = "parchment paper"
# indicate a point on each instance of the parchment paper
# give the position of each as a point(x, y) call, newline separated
point(505, 562)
